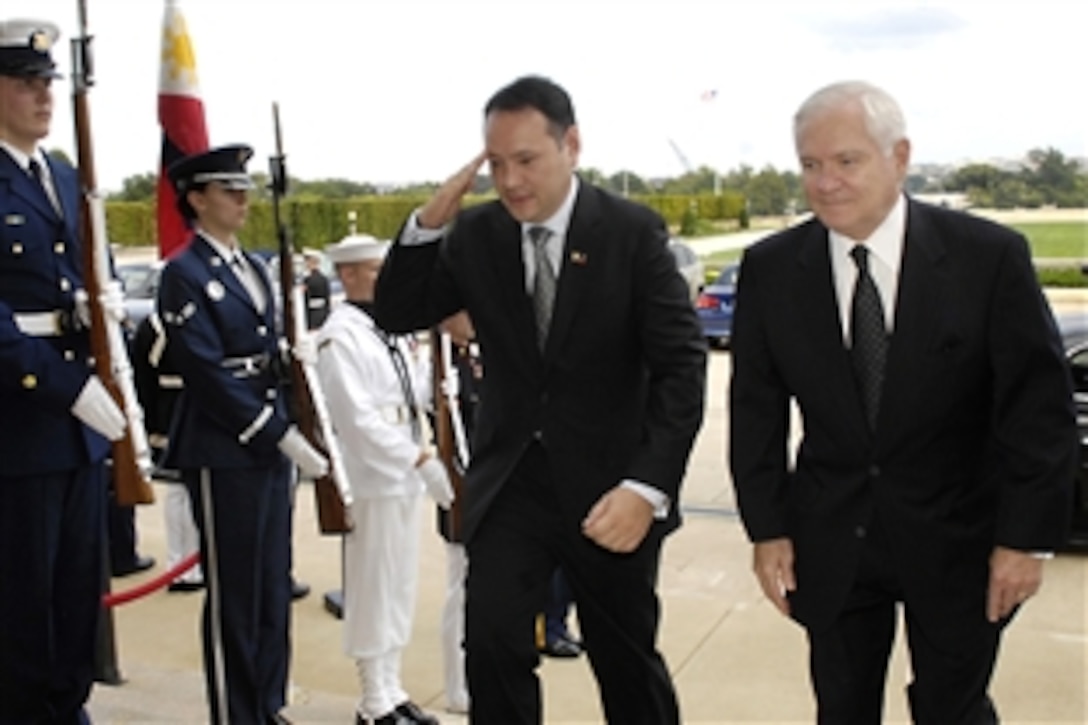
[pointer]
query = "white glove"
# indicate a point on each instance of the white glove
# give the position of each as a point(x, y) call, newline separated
point(96, 408)
point(451, 384)
point(295, 446)
point(111, 298)
point(305, 350)
point(437, 481)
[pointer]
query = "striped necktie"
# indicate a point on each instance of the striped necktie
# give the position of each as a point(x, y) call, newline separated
point(868, 336)
point(543, 284)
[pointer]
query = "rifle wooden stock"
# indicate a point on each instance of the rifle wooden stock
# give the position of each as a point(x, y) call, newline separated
point(130, 485)
point(307, 411)
point(443, 432)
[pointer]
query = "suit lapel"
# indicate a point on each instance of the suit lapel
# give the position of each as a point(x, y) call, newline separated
point(921, 293)
point(509, 277)
point(25, 187)
point(579, 253)
point(814, 295)
point(221, 272)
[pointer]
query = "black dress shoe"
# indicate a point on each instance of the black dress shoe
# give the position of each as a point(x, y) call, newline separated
point(561, 647)
point(184, 586)
point(413, 714)
point(299, 590)
point(140, 563)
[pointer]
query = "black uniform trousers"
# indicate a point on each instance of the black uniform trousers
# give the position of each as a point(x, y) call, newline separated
point(51, 547)
point(511, 557)
point(848, 661)
point(243, 516)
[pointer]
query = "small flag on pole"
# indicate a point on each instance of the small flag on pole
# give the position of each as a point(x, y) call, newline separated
point(181, 116)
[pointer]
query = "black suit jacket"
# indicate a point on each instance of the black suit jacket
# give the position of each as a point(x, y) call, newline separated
point(975, 443)
point(618, 391)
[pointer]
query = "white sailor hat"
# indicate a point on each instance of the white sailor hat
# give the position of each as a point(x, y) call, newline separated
point(25, 47)
point(356, 248)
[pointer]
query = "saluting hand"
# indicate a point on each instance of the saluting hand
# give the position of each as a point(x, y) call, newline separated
point(441, 208)
point(619, 520)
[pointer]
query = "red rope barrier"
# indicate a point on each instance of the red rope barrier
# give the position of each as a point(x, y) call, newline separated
point(115, 598)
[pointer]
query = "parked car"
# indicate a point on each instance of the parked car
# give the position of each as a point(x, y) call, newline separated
point(1074, 330)
point(714, 306)
point(140, 283)
point(690, 266)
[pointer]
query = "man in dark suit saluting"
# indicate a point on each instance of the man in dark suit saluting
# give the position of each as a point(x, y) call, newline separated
point(939, 439)
point(591, 397)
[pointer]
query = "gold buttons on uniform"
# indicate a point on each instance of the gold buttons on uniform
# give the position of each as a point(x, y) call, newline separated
point(30, 381)
point(17, 248)
point(65, 285)
point(59, 247)
point(69, 355)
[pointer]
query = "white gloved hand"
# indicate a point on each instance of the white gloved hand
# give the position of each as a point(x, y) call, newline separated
point(305, 350)
point(96, 408)
point(112, 299)
point(451, 384)
point(437, 481)
point(309, 460)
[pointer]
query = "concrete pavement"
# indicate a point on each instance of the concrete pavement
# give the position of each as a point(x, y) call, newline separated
point(735, 660)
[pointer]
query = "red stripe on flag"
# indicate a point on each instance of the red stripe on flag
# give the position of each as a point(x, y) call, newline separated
point(184, 132)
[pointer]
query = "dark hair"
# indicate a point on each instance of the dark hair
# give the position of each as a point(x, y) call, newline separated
point(538, 93)
point(188, 213)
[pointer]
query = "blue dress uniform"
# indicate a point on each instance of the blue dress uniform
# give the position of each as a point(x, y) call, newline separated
point(227, 422)
point(52, 483)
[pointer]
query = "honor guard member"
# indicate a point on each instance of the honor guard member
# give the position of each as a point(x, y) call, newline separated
point(158, 386)
point(316, 286)
point(231, 438)
point(55, 415)
point(376, 386)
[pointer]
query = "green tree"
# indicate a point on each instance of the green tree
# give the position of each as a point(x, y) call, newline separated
point(767, 193)
point(140, 187)
point(1054, 178)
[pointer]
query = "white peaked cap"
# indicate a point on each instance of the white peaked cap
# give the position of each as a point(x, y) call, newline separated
point(357, 248)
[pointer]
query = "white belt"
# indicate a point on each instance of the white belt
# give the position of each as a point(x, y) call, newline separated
point(39, 324)
point(397, 414)
point(171, 382)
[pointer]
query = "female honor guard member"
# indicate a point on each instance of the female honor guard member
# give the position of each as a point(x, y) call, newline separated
point(375, 385)
point(55, 415)
point(231, 438)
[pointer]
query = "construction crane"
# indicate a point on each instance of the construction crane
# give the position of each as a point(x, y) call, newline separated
point(691, 170)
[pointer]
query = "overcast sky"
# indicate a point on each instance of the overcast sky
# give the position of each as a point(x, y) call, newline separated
point(392, 90)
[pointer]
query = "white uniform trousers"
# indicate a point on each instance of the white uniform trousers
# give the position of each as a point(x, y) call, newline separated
point(182, 538)
point(381, 557)
point(453, 628)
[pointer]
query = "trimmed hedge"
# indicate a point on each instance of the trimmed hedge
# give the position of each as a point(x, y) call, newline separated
point(320, 222)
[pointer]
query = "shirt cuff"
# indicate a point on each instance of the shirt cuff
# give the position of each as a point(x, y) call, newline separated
point(658, 499)
point(415, 235)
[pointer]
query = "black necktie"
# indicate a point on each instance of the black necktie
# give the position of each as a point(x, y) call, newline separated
point(36, 173)
point(868, 336)
point(543, 283)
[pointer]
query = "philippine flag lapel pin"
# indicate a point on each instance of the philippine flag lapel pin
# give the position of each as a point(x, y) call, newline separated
point(579, 258)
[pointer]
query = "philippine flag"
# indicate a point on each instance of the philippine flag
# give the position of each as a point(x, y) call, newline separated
point(181, 116)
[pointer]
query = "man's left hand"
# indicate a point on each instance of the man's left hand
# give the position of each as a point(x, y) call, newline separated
point(1014, 576)
point(619, 520)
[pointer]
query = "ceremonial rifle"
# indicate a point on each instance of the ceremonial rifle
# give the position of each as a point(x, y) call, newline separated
point(449, 429)
point(131, 454)
point(308, 408)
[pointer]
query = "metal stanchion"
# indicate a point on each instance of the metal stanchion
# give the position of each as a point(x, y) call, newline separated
point(105, 651)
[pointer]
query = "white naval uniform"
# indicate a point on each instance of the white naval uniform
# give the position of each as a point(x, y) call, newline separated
point(373, 422)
